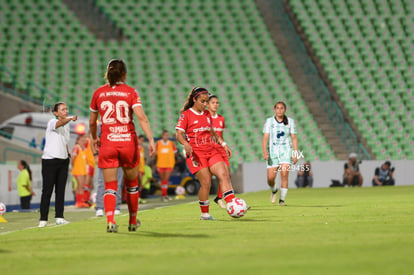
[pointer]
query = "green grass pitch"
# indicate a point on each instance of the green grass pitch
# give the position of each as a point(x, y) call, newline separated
point(321, 231)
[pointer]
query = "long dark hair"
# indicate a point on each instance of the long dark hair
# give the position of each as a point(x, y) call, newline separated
point(116, 71)
point(285, 119)
point(27, 167)
point(56, 106)
point(194, 93)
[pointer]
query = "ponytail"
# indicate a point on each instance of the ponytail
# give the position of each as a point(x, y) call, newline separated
point(116, 71)
point(194, 93)
point(27, 167)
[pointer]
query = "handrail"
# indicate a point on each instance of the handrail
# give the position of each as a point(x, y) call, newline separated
point(329, 106)
point(30, 143)
point(43, 94)
point(7, 149)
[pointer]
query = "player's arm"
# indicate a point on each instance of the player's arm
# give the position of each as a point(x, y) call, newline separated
point(295, 147)
point(64, 121)
point(146, 127)
point(221, 142)
point(264, 145)
point(181, 139)
point(93, 127)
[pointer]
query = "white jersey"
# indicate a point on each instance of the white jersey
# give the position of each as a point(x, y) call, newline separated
point(279, 133)
point(56, 141)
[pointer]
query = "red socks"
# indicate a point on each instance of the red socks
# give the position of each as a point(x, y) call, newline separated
point(219, 193)
point(204, 206)
point(228, 195)
point(132, 199)
point(164, 188)
point(86, 193)
point(110, 200)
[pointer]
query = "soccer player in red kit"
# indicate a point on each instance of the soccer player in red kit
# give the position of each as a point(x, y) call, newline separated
point(195, 132)
point(116, 102)
point(218, 126)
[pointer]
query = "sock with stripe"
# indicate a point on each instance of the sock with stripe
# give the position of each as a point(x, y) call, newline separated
point(204, 206)
point(109, 199)
point(132, 199)
point(228, 195)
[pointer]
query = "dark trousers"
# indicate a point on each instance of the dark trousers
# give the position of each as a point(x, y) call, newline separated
point(55, 175)
point(25, 202)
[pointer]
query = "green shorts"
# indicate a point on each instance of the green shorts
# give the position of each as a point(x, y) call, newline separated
point(283, 155)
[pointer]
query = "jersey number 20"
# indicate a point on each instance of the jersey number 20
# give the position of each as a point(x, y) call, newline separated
point(121, 109)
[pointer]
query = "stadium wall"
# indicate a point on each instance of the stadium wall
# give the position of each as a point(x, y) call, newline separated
point(251, 177)
point(8, 187)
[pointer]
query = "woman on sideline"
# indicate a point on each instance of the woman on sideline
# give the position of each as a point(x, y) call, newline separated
point(24, 184)
point(279, 138)
point(79, 170)
point(218, 125)
point(55, 163)
point(116, 102)
point(195, 132)
point(165, 162)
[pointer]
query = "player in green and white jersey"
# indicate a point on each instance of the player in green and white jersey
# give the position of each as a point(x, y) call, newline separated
point(280, 148)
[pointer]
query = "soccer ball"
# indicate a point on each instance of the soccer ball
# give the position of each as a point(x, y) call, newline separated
point(2, 209)
point(237, 208)
point(179, 190)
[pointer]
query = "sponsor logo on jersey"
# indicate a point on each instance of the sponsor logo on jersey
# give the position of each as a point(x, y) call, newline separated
point(195, 122)
point(118, 129)
point(201, 129)
point(119, 137)
point(221, 123)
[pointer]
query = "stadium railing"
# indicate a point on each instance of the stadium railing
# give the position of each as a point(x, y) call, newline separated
point(42, 94)
point(343, 129)
point(10, 149)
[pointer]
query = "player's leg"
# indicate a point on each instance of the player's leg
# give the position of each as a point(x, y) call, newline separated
point(204, 177)
point(220, 170)
point(99, 194)
point(284, 175)
point(165, 174)
point(80, 198)
point(60, 186)
point(131, 183)
point(49, 175)
point(219, 197)
point(271, 181)
point(109, 198)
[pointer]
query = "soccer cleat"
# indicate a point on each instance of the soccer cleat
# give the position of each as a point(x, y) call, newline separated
point(207, 218)
point(273, 197)
point(111, 228)
point(99, 213)
point(42, 223)
point(134, 227)
point(81, 205)
point(282, 203)
point(220, 202)
point(60, 221)
point(248, 207)
point(166, 199)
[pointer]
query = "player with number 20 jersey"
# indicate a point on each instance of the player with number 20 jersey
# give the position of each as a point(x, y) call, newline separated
point(115, 105)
